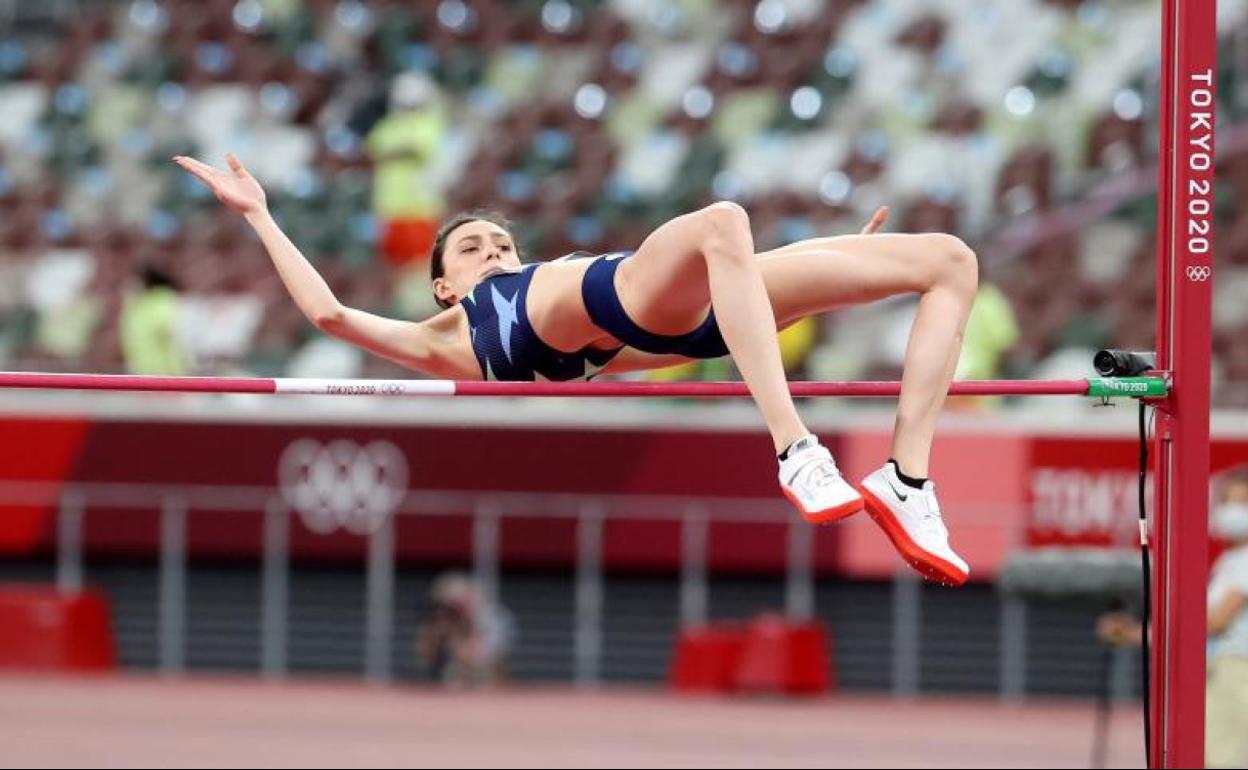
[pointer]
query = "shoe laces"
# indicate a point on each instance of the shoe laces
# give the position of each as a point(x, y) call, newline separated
point(931, 516)
point(825, 474)
point(822, 470)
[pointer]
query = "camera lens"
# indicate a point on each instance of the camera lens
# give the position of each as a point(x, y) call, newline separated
point(1123, 363)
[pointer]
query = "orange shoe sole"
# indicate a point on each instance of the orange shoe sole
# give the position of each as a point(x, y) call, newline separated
point(828, 515)
point(928, 565)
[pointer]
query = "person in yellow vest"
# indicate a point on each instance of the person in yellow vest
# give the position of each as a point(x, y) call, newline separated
point(991, 330)
point(149, 327)
point(404, 146)
point(796, 343)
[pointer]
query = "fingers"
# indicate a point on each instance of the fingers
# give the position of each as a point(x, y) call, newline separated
point(191, 164)
point(236, 166)
point(201, 170)
point(224, 184)
point(877, 221)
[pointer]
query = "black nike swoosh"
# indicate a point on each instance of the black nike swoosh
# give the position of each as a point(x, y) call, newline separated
point(900, 496)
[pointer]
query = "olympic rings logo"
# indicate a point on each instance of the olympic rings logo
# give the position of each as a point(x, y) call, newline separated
point(343, 484)
point(390, 388)
point(1199, 273)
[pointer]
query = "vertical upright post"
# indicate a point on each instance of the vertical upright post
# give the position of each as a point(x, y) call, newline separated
point(1121, 675)
point(485, 550)
point(69, 522)
point(587, 633)
point(907, 631)
point(799, 589)
point(693, 585)
point(379, 617)
point(1013, 682)
point(171, 631)
point(274, 589)
point(1184, 342)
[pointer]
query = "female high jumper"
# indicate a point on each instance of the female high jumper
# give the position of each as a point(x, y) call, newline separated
point(694, 288)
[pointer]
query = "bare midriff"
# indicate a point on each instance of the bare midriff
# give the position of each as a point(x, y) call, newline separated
point(557, 312)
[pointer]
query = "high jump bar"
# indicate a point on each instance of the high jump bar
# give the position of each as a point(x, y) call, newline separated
point(1123, 387)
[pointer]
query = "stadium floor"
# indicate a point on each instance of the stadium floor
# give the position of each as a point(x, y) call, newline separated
point(147, 721)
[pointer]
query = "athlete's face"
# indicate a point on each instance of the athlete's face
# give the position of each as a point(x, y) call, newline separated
point(473, 250)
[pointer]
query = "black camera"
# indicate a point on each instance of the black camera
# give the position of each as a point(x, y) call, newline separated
point(1123, 363)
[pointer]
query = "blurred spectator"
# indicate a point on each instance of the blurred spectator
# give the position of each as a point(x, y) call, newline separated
point(707, 369)
point(149, 326)
point(796, 343)
point(465, 640)
point(1118, 628)
point(404, 145)
point(59, 289)
point(1226, 743)
point(991, 330)
point(1226, 700)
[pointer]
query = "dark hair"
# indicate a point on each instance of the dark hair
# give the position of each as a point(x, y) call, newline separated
point(437, 268)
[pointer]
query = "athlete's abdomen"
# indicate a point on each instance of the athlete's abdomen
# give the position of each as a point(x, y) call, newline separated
point(557, 311)
point(507, 346)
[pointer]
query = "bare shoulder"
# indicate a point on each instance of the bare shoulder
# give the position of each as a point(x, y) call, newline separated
point(449, 321)
point(448, 345)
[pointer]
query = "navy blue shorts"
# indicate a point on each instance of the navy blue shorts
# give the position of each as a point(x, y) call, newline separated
point(606, 311)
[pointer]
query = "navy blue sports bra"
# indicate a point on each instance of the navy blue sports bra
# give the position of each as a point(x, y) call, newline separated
point(504, 342)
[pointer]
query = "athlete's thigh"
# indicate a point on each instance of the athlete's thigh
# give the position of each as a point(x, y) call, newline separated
point(663, 286)
point(825, 273)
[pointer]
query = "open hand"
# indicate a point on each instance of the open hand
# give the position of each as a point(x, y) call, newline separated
point(236, 188)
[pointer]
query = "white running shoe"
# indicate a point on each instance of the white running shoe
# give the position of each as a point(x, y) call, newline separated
point(911, 519)
point(812, 482)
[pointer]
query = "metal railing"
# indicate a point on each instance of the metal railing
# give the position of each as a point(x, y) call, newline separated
point(487, 510)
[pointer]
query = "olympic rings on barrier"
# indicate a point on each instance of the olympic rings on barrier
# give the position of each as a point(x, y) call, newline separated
point(342, 484)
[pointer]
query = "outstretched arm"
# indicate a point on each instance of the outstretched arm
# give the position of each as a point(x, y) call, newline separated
point(239, 190)
point(426, 346)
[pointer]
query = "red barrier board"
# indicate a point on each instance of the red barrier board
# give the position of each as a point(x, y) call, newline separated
point(45, 630)
point(1000, 488)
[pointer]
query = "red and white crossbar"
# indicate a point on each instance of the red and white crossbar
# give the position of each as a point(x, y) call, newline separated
point(1127, 387)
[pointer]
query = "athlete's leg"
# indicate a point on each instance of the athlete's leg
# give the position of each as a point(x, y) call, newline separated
point(820, 274)
point(707, 259)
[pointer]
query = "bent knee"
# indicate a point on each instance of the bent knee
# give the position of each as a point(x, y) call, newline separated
point(725, 216)
point(956, 264)
point(725, 225)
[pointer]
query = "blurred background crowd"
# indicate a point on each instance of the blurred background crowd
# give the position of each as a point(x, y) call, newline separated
point(588, 123)
point(1029, 128)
